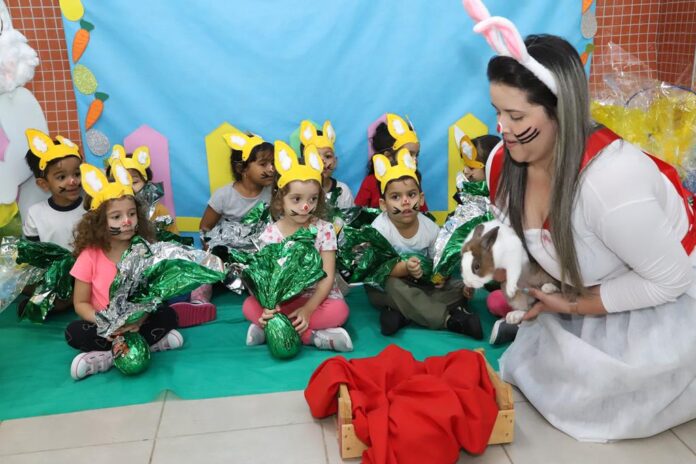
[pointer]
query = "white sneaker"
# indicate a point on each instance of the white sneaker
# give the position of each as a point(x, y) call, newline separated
point(91, 362)
point(171, 341)
point(255, 335)
point(332, 339)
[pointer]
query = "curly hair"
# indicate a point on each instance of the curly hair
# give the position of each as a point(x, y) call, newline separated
point(92, 230)
point(279, 194)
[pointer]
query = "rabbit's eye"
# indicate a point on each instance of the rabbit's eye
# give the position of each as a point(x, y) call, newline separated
point(476, 267)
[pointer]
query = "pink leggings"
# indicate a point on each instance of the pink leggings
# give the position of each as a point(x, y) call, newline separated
point(329, 314)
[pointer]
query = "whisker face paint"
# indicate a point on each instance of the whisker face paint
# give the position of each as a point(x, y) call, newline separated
point(527, 135)
point(114, 230)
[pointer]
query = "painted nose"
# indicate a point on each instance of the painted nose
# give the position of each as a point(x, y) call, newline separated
point(305, 207)
point(74, 181)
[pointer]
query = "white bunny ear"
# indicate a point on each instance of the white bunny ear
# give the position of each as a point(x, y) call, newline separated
point(404, 158)
point(39, 142)
point(329, 131)
point(313, 159)
point(236, 140)
point(476, 9)
point(117, 152)
point(66, 141)
point(285, 160)
point(93, 181)
point(399, 126)
point(142, 156)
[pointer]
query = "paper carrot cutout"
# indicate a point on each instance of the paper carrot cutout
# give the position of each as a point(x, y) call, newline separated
point(95, 109)
point(81, 40)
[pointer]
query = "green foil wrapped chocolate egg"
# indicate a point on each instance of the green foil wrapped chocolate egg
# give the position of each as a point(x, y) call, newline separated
point(281, 337)
point(131, 353)
point(135, 317)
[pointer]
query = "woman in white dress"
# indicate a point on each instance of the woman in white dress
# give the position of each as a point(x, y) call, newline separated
point(616, 359)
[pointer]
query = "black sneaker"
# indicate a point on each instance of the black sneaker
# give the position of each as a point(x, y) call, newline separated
point(391, 321)
point(463, 322)
point(503, 332)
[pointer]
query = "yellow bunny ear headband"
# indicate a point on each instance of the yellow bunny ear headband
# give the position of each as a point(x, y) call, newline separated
point(242, 142)
point(467, 149)
point(43, 147)
point(140, 160)
point(400, 130)
point(289, 167)
point(385, 172)
point(98, 186)
point(309, 136)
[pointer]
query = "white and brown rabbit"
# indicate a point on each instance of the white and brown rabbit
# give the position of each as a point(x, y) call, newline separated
point(494, 245)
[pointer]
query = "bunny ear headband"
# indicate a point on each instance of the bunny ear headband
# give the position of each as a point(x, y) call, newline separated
point(502, 35)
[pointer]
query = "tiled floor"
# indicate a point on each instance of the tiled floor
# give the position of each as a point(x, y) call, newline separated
point(278, 429)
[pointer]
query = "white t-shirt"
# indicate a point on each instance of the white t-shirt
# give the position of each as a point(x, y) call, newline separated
point(628, 223)
point(345, 199)
point(47, 222)
point(228, 202)
point(421, 242)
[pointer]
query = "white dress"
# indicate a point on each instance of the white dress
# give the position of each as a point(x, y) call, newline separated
point(631, 373)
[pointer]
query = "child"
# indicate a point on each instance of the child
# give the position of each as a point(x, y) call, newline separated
point(390, 136)
point(253, 174)
point(323, 140)
point(102, 236)
point(474, 155)
point(138, 165)
point(409, 231)
point(56, 167)
point(298, 202)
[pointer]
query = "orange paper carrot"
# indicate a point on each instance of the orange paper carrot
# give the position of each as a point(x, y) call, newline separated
point(81, 40)
point(586, 5)
point(586, 54)
point(95, 109)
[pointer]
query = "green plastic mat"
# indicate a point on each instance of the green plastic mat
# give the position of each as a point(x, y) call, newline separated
point(214, 361)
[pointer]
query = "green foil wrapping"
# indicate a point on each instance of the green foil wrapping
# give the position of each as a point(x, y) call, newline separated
point(166, 236)
point(452, 252)
point(479, 188)
point(425, 263)
point(281, 271)
point(151, 273)
point(56, 283)
point(14, 277)
point(364, 255)
point(282, 339)
point(260, 213)
point(131, 353)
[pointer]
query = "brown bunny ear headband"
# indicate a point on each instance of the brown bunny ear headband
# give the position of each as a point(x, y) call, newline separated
point(502, 35)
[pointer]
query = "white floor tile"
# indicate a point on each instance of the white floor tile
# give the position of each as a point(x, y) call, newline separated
point(233, 413)
point(289, 444)
point(137, 452)
point(517, 395)
point(494, 455)
point(86, 428)
point(536, 441)
point(687, 434)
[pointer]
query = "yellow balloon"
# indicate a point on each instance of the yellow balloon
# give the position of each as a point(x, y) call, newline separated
point(72, 9)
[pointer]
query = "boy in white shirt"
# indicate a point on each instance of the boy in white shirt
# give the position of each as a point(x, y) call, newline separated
point(404, 299)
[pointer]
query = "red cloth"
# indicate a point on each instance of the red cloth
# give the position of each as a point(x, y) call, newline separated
point(369, 194)
point(408, 411)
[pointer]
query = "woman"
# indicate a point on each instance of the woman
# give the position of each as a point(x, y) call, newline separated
point(615, 356)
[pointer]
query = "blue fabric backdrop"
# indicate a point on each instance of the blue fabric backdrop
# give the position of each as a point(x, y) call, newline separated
point(185, 67)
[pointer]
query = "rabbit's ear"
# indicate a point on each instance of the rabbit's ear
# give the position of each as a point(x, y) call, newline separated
point(236, 140)
point(285, 157)
point(381, 164)
point(93, 180)
point(329, 131)
point(396, 125)
point(476, 9)
point(117, 152)
point(307, 132)
point(489, 238)
point(141, 155)
point(404, 158)
point(121, 174)
point(312, 158)
point(39, 143)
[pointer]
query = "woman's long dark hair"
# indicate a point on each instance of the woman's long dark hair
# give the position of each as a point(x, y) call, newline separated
point(571, 112)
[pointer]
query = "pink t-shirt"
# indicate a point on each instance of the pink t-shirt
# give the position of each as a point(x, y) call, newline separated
point(96, 269)
point(326, 241)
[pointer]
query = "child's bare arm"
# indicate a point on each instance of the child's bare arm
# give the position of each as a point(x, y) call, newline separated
point(210, 219)
point(399, 270)
point(81, 300)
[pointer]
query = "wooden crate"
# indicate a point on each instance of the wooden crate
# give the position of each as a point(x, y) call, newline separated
point(503, 430)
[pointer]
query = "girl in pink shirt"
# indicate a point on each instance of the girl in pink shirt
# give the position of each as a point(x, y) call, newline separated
point(101, 237)
point(320, 311)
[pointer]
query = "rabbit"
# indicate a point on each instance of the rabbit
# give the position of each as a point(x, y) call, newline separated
point(494, 245)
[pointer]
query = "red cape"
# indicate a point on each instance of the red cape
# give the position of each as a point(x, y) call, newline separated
point(408, 411)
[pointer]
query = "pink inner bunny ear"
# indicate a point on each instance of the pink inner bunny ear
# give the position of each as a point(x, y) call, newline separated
point(489, 29)
point(513, 39)
point(476, 9)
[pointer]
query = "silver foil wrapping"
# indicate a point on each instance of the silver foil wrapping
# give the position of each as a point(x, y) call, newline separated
point(472, 206)
point(132, 278)
point(149, 195)
point(14, 277)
